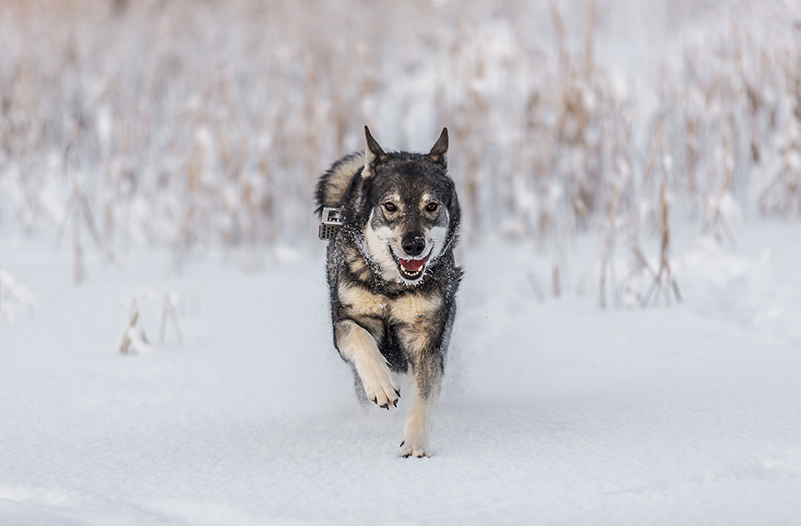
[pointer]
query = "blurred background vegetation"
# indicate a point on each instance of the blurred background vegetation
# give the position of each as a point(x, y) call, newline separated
point(193, 124)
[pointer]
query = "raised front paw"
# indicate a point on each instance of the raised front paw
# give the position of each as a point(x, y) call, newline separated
point(379, 384)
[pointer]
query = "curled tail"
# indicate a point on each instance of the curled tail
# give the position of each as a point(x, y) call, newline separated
point(333, 183)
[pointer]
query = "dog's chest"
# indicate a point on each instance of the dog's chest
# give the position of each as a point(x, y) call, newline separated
point(409, 308)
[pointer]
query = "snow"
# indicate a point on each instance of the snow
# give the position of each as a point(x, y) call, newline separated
point(552, 412)
point(190, 135)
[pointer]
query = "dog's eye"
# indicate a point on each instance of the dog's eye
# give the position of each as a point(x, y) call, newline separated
point(390, 207)
point(432, 207)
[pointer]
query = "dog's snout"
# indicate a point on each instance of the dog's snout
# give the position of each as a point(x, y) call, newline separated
point(413, 244)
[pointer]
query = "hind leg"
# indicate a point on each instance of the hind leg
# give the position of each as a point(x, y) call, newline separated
point(358, 347)
point(358, 387)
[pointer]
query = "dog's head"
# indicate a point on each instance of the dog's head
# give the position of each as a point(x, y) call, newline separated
point(406, 210)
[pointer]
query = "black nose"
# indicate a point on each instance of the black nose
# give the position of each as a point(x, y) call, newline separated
point(413, 244)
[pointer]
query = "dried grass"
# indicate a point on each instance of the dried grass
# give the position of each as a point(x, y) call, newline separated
point(197, 124)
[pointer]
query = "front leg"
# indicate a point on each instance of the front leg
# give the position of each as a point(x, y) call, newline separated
point(423, 329)
point(425, 378)
point(358, 347)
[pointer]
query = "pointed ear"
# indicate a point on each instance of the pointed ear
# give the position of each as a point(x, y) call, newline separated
point(372, 153)
point(439, 152)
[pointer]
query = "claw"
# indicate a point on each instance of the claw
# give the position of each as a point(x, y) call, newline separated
point(402, 442)
point(397, 392)
point(384, 406)
point(375, 400)
point(395, 403)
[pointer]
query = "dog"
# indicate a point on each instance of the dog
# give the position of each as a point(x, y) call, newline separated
point(392, 221)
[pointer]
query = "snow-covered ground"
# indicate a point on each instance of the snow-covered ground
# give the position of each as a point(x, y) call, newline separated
point(552, 413)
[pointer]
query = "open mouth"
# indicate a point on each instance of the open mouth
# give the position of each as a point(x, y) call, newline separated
point(412, 269)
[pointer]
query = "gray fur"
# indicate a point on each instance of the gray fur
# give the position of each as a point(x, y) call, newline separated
point(335, 181)
point(391, 274)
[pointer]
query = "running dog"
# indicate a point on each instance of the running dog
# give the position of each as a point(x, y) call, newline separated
point(392, 220)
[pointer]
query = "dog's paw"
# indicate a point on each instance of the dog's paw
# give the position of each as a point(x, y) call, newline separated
point(415, 441)
point(410, 448)
point(379, 384)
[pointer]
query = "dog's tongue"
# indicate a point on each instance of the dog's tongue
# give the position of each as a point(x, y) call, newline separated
point(412, 265)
